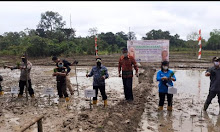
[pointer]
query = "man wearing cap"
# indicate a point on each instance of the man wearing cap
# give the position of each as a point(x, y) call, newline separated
point(214, 89)
point(67, 65)
point(24, 76)
point(125, 64)
point(99, 73)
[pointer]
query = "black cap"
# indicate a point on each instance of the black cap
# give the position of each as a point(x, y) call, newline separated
point(124, 49)
point(215, 58)
point(54, 58)
point(165, 63)
point(98, 58)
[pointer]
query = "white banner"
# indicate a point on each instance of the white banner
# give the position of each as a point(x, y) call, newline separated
point(89, 93)
point(149, 50)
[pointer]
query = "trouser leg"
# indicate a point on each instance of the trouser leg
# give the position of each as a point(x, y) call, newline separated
point(21, 86)
point(63, 88)
point(30, 89)
point(170, 99)
point(208, 101)
point(59, 86)
point(218, 94)
point(96, 92)
point(161, 98)
point(129, 88)
point(210, 96)
point(103, 93)
point(125, 88)
point(68, 84)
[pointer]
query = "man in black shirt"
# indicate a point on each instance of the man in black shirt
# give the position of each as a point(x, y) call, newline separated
point(214, 89)
point(67, 65)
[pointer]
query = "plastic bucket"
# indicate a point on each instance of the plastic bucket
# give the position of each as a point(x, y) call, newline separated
point(172, 90)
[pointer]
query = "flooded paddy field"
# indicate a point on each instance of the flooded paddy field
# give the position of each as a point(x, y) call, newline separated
point(140, 115)
point(187, 114)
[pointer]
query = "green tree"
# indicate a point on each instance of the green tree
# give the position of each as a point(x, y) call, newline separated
point(131, 36)
point(214, 40)
point(38, 47)
point(51, 21)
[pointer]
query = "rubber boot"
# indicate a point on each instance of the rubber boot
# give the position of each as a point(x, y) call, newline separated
point(2, 93)
point(169, 108)
point(94, 102)
point(105, 103)
point(20, 96)
point(67, 99)
point(205, 107)
point(160, 108)
point(32, 96)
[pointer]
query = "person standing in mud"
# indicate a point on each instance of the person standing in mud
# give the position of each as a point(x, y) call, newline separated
point(165, 77)
point(125, 65)
point(214, 89)
point(67, 65)
point(1, 90)
point(60, 73)
point(99, 73)
point(24, 76)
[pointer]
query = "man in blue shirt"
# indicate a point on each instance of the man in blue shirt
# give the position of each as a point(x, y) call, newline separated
point(165, 77)
point(99, 73)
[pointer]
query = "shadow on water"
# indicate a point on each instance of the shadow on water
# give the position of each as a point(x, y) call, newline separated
point(187, 114)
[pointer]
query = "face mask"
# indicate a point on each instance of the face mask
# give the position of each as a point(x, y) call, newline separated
point(99, 64)
point(23, 60)
point(165, 67)
point(125, 54)
point(216, 63)
point(60, 65)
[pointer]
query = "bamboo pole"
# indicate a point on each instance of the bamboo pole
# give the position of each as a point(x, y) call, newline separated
point(39, 124)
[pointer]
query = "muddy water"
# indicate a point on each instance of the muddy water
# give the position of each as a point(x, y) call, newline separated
point(187, 114)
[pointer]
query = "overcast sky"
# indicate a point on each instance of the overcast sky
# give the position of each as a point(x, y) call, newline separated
point(176, 17)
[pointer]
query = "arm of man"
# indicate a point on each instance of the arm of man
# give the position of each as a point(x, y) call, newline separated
point(208, 72)
point(61, 73)
point(67, 65)
point(74, 63)
point(11, 67)
point(90, 74)
point(119, 67)
point(135, 65)
point(106, 73)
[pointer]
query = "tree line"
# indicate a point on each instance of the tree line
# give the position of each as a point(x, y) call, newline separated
point(51, 38)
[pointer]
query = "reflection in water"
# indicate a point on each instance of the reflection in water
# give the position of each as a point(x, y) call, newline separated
point(165, 122)
point(187, 114)
point(211, 126)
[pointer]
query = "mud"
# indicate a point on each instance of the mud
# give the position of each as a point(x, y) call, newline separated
point(76, 116)
point(187, 114)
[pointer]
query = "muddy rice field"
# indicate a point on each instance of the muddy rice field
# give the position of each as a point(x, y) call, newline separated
point(119, 116)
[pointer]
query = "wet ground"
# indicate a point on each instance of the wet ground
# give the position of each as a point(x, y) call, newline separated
point(119, 115)
point(187, 114)
point(16, 112)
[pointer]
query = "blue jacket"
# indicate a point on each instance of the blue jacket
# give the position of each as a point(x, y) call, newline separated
point(162, 84)
point(97, 73)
